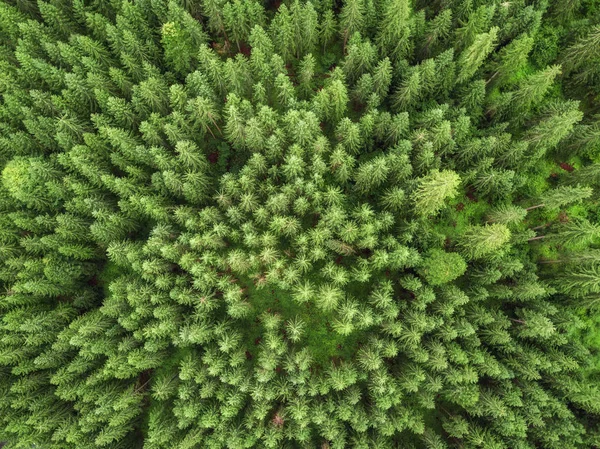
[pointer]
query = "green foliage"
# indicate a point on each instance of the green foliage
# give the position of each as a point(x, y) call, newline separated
point(563, 195)
point(299, 224)
point(581, 281)
point(506, 214)
point(32, 181)
point(473, 56)
point(433, 190)
point(440, 267)
point(479, 241)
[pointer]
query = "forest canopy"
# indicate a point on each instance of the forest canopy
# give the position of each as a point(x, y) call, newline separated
point(299, 224)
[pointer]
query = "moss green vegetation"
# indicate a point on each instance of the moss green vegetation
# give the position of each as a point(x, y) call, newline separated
point(299, 224)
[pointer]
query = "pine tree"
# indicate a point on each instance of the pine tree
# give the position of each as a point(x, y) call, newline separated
point(306, 75)
point(332, 101)
point(585, 139)
point(511, 59)
point(283, 33)
point(433, 190)
point(239, 17)
point(580, 281)
point(573, 233)
point(529, 94)
point(394, 36)
point(438, 29)
point(409, 92)
point(213, 9)
point(507, 214)
point(477, 21)
point(557, 124)
point(562, 195)
point(305, 21)
point(582, 52)
point(327, 28)
point(181, 36)
point(474, 56)
point(33, 182)
point(586, 175)
point(481, 241)
point(440, 267)
point(360, 58)
point(352, 19)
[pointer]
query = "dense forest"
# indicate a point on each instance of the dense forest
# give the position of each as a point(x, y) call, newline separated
point(300, 224)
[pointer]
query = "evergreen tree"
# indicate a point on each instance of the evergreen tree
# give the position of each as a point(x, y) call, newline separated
point(580, 281)
point(507, 214)
point(585, 139)
point(239, 17)
point(481, 241)
point(433, 190)
point(511, 59)
point(213, 10)
point(283, 33)
point(438, 30)
point(562, 195)
point(586, 175)
point(474, 56)
point(473, 21)
point(582, 54)
point(574, 233)
point(557, 124)
point(327, 28)
point(396, 27)
point(33, 182)
point(440, 267)
point(352, 19)
point(529, 94)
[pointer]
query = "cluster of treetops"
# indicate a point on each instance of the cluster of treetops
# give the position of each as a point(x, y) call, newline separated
point(299, 224)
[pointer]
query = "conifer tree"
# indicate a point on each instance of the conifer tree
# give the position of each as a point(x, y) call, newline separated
point(580, 281)
point(562, 195)
point(587, 175)
point(327, 28)
point(473, 56)
point(480, 241)
point(33, 182)
point(239, 17)
point(511, 59)
point(574, 233)
point(213, 10)
point(529, 93)
point(440, 267)
point(433, 190)
point(394, 35)
point(507, 214)
point(585, 139)
point(556, 125)
point(438, 29)
point(473, 21)
point(352, 19)
point(582, 52)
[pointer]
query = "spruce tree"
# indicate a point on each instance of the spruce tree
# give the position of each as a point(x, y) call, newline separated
point(433, 190)
point(511, 59)
point(480, 241)
point(473, 56)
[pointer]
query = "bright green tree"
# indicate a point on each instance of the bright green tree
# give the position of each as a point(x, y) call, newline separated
point(433, 190)
point(480, 241)
point(472, 57)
